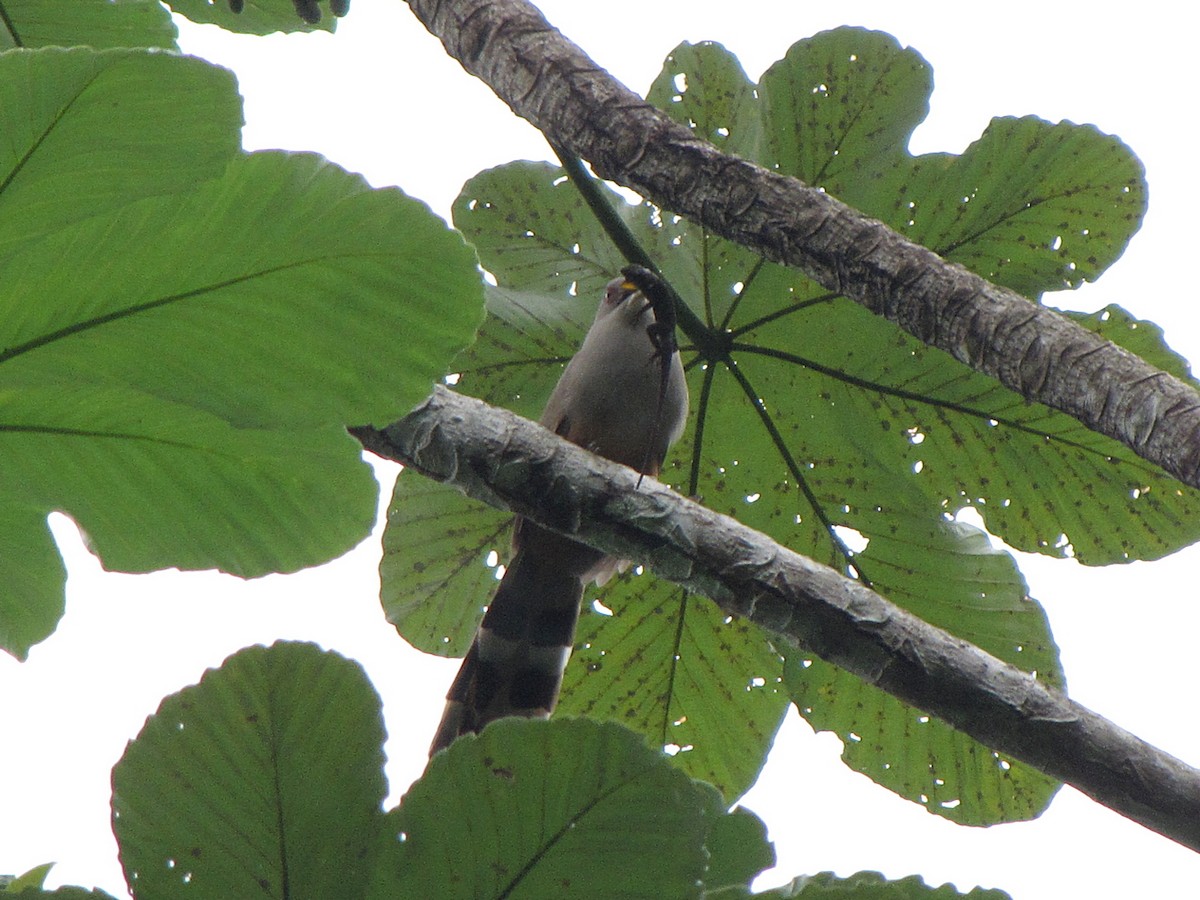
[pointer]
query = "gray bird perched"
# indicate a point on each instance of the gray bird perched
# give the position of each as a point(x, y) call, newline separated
point(610, 400)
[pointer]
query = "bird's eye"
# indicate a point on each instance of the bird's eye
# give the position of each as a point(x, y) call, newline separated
point(618, 292)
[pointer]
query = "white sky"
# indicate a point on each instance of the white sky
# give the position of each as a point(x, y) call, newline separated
point(382, 98)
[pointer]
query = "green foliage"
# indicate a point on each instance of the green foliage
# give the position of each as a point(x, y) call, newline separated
point(91, 132)
point(265, 779)
point(436, 546)
point(675, 668)
point(738, 851)
point(871, 886)
point(34, 878)
point(187, 330)
point(950, 576)
point(557, 800)
point(1032, 206)
point(816, 422)
point(99, 24)
point(31, 884)
point(256, 17)
point(63, 893)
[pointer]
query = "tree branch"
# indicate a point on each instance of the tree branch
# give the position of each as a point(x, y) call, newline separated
point(548, 80)
point(509, 462)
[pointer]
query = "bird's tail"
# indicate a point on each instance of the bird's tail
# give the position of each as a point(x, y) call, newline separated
point(515, 664)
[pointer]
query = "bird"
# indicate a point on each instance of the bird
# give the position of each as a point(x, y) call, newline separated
point(611, 399)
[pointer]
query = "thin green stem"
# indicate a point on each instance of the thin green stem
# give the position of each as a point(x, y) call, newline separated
point(622, 236)
point(911, 396)
point(794, 467)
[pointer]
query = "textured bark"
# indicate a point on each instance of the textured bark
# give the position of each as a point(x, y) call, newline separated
point(548, 80)
point(509, 462)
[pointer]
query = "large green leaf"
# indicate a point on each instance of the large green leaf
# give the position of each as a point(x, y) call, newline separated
point(98, 24)
point(1033, 206)
point(950, 576)
point(681, 666)
point(827, 427)
point(1011, 210)
point(839, 108)
point(155, 483)
point(710, 91)
point(256, 17)
point(62, 893)
point(531, 809)
point(263, 780)
point(285, 293)
point(873, 886)
point(177, 374)
point(437, 544)
point(738, 851)
point(88, 132)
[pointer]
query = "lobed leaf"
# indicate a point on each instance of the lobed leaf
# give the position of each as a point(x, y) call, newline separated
point(671, 667)
point(548, 809)
point(99, 24)
point(873, 886)
point(436, 553)
point(88, 132)
point(275, 295)
point(177, 373)
point(826, 427)
point(265, 779)
point(256, 17)
point(738, 851)
point(950, 576)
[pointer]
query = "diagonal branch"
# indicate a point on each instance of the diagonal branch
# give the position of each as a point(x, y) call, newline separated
point(548, 80)
point(496, 456)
